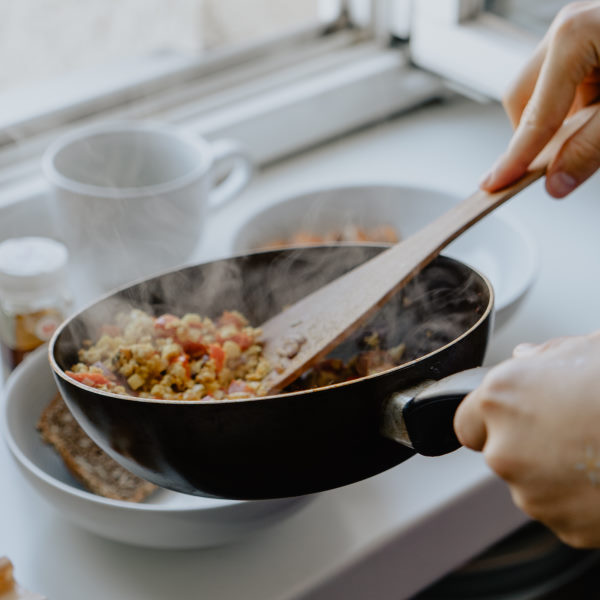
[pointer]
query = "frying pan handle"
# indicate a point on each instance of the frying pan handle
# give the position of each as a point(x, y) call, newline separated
point(422, 417)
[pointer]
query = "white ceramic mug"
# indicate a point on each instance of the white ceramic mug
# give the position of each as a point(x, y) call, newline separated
point(132, 198)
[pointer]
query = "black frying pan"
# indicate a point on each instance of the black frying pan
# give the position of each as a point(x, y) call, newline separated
point(305, 441)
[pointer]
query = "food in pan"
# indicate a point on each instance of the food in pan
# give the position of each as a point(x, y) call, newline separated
point(369, 354)
point(385, 234)
point(195, 358)
point(88, 463)
point(176, 358)
point(192, 357)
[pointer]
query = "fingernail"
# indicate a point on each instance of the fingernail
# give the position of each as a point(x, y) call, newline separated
point(490, 176)
point(486, 179)
point(524, 349)
point(560, 184)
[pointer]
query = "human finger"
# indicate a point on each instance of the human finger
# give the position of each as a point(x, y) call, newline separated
point(577, 160)
point(528, 349)
point(588, 92)
point(566, 64)
point(469, 425)
point(525, 349)
point(519, 92)
point(539, 121)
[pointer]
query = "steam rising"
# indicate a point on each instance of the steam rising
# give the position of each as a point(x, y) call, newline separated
point(433, 310)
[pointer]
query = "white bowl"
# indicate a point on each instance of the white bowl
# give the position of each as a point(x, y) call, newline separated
point(499, 248)
point(166, 520)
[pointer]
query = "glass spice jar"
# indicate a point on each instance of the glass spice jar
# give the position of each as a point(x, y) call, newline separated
point(34, 298)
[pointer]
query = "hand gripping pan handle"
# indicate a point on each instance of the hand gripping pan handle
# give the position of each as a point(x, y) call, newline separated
point(422, 417)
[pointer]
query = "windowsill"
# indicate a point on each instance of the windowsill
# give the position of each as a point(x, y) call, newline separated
point(24, 107)
point(289, 108)
point(481, 54)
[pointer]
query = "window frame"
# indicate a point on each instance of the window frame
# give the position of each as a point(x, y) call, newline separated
point(487, 48)
point(302, 87)
point(34, 108)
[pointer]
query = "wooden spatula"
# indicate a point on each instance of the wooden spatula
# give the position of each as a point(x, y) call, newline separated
point(307, 331)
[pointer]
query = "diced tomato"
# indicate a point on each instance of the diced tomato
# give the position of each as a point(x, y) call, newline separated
point(91, 379)
point(237, 385)
point(183, 360)
point(231, 318)
point(166, 324)
point(243, 340)
point(218, 355)
point(193, 348)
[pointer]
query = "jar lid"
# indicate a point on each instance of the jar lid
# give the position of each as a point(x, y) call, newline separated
point(31, 265)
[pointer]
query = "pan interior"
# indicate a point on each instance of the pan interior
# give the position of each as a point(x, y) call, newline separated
point(435, 308)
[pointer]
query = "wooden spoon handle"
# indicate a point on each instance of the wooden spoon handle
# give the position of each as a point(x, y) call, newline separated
point(307, 331)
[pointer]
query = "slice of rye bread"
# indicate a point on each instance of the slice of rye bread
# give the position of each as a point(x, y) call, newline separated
point(95, 469)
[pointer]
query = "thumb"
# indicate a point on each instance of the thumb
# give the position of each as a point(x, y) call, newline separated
point(525, 349)
point(469, 425)
point(577, 160)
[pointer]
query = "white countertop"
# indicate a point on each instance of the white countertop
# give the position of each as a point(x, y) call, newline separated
point(388, 536)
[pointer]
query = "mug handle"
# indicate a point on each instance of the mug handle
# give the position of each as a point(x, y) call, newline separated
point(224, 151)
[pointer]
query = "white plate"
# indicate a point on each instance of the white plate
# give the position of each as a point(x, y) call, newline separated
point(166, 520)
point(500, 249)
